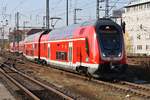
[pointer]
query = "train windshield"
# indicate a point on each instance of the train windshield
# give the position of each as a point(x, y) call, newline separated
point(110, 40)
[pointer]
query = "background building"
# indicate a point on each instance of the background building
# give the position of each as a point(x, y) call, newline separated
point(137, 18)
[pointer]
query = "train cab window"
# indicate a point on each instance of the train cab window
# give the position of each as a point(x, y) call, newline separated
point(110, 37)
point(32, 52)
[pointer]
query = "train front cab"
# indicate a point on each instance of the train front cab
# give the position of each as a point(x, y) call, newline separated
point(112, 49)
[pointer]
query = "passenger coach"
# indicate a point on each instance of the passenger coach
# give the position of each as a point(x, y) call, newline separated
point(96, 48)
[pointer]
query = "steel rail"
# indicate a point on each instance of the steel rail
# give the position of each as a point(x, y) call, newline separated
point(123, 88)
point(116, 86)
point(135, 85)
point(19, 85)
point(41, 84)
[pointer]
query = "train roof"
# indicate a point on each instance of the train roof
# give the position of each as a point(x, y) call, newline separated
point(31, 38)
point(62, 33)
point(102, 22)
point(67, 32)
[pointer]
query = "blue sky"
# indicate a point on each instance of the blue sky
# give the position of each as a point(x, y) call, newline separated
point(33, 11)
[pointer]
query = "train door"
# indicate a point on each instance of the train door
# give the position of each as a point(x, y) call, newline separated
point(78, 53)
point(70, 53)
point(48, 51)
point(32, 50)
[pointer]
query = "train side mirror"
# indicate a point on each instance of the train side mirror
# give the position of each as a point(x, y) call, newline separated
point(123, 25)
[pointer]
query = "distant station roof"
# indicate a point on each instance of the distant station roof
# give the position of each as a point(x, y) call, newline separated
point(33, 31)
point(17, 32)
point(137, 2)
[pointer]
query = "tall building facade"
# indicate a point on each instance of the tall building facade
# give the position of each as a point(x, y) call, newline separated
point(137, 19)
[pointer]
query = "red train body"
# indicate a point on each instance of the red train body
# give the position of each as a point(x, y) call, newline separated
point(95, 47)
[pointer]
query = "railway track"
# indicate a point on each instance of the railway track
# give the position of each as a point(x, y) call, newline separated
point(123, 86)
point(130, 88)
point(30, 86)
point(136, 86)
point(127, 87)
point(139, 60)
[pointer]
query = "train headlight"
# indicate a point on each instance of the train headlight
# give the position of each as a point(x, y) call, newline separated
point(103, 55)
point(119, 55)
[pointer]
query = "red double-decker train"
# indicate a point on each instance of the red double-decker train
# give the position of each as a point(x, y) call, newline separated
point(95, 47)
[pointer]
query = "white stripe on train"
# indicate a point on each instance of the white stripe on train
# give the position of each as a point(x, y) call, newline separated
point(91, 67)
point(57, 41)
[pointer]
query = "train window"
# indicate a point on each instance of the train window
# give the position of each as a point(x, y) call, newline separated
point(64, 56)
point(35, 46)
point(61, 55)
point(70, 53)
point(108, 29)
point(82, 30)
point(32, 46)
point(44, 46)
point(56, 55)
point(32, 53)
point(26, 52)
point(48, 50)
point(110, 39)
point(87, 46)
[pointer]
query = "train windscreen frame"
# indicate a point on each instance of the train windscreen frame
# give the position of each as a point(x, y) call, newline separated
point(110, 39)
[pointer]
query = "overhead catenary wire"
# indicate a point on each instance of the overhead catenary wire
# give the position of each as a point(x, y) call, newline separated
point(18, 5)
point(59, 8)
point(113, 5)
point(57, 4)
